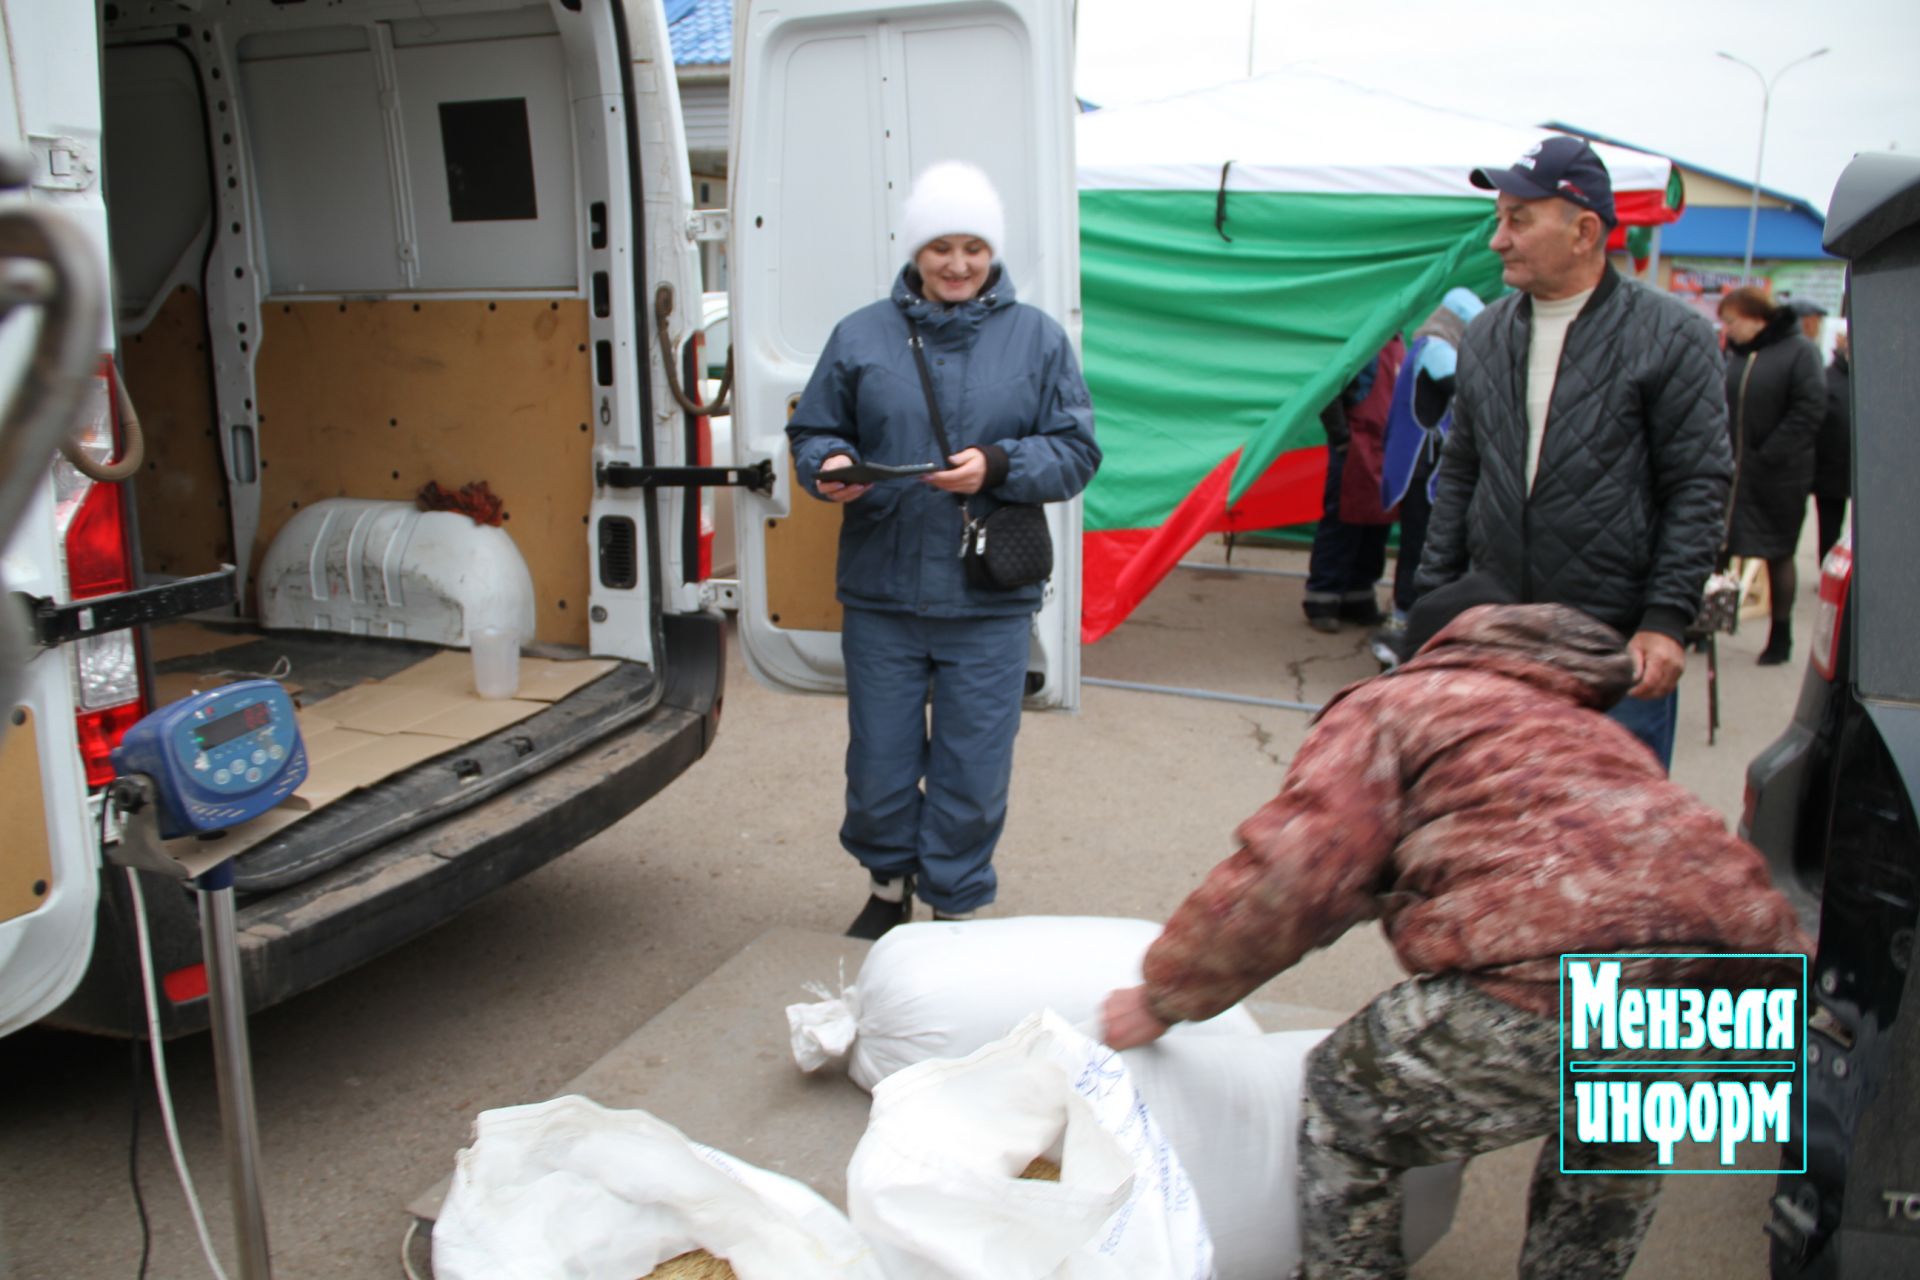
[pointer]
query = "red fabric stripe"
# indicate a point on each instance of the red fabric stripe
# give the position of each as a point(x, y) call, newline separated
point(1120, 567)
point(1643, 208)
point(1638, 209)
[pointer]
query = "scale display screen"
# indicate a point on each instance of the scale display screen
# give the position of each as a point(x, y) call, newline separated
point(229, 727)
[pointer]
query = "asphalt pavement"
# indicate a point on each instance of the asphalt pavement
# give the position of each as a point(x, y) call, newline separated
point(368, 1087)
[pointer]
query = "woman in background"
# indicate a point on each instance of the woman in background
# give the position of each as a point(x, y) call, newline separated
point(1776, 402)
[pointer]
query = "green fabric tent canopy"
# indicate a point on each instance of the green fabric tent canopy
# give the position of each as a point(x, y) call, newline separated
point(1243, 251)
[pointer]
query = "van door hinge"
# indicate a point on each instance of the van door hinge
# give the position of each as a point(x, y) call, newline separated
point(622, 475)
point(56, 624)
point(709, 224)
point(61, 163)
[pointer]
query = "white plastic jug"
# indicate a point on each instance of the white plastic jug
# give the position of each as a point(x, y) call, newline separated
point(496, 662)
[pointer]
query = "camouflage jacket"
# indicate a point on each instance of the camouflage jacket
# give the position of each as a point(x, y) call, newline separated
point(1480, 804)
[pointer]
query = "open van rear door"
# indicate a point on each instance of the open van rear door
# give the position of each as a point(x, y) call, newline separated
point(49, 882)
point(835, 108)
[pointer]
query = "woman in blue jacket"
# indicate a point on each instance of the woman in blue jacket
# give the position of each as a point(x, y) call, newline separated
point(926, 801)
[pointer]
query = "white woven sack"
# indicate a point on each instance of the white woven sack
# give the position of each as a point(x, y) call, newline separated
point(943, 989)
point(1231, 1108)
point(570, 1190)
point(935, 1185)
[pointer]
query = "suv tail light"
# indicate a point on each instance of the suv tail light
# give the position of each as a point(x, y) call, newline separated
point(91, 519)
point(1836, 575)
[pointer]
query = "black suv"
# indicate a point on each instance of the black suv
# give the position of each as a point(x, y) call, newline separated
point(1832, 802)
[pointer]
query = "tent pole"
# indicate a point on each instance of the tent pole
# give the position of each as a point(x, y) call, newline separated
point(1207, 566)
point(1204, 695)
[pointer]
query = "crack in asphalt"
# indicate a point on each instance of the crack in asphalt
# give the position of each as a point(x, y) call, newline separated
point(1297, 666)
point(1262, 740)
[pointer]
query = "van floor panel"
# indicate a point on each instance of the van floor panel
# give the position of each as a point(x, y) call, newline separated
point(475, 764)
point(322, 663)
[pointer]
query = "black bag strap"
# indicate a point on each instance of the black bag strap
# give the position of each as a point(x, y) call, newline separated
point(926, 385)
point(933, 405)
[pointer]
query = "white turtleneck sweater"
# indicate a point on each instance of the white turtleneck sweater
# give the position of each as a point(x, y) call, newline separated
point(1550, 323)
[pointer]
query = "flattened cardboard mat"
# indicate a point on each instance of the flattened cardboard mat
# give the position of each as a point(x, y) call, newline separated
point(356, 738)
point(373, 730)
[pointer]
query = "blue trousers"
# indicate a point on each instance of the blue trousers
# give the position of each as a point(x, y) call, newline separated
point(1652, 720)
point(928, 796)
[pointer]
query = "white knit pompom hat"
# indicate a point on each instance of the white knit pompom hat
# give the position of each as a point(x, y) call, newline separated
point(952, 198)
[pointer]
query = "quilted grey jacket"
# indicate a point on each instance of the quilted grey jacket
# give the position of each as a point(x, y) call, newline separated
point(1624, 520)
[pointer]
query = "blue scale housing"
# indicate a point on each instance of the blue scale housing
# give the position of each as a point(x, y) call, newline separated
point(218, 758)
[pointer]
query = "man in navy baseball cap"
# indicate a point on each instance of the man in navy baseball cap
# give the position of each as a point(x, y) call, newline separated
point(1588, 461)
point(1561, 166)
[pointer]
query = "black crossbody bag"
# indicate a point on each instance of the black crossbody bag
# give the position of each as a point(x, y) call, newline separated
point(1009, 547)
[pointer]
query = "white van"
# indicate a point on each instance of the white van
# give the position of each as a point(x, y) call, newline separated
point(362, 247)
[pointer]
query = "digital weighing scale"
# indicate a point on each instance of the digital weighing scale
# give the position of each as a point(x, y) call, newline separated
point(189, 773)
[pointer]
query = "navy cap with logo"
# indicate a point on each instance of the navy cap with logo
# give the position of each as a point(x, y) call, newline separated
point(1560, 166)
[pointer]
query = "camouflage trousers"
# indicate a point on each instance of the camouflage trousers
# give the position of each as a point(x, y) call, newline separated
point(1436, 1070)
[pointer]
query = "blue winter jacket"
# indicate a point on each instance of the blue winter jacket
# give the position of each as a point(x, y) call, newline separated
point(1006, 380)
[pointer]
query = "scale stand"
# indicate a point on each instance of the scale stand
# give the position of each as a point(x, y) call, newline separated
point(208, 864)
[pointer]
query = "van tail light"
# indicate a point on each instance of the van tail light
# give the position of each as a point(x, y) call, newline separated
point(91, 518)
point(184, 986)
point(695, 377)
point(1836, 575)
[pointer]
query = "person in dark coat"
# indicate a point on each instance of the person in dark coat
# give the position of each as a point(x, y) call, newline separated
point(1350, 544)
point(1588, 460)
point(1833, 451)
point(1776, 402)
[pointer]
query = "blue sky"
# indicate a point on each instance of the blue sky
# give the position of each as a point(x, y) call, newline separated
point(1643, 72)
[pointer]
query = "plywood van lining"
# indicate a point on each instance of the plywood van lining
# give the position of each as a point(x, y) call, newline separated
point(182, 488)
point(802, 550)
point(374, 399)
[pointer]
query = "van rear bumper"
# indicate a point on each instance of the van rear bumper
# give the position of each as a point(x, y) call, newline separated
point(295, 939)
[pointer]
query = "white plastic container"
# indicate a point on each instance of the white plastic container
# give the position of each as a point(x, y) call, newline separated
point(376, 568)
point(496, 662)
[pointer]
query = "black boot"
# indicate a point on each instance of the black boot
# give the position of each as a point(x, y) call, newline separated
point(1361, 608)
point(1779, 644)
point(880, 915)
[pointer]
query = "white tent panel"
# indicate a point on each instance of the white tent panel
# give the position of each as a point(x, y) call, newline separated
point(1301, 131)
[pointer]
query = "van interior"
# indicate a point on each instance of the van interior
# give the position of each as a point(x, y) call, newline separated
point(350, 258)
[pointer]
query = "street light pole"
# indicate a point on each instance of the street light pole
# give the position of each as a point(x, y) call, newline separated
point(1759, 159)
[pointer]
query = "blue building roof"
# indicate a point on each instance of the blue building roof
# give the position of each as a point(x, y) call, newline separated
point(1714, 232)
point(1705, 231)
point(701, 32)
point(1728, 178)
